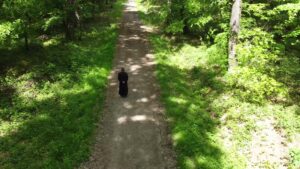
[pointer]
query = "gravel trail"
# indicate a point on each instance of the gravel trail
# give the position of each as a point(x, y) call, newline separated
point(133, 132)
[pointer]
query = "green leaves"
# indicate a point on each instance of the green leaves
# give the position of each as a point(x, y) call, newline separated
point(175, 27)
point(251, 85)
point(52, 21)
point(295, 156)
point(9, 31)
point(5, 31)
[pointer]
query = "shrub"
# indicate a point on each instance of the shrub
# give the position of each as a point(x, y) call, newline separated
point(254, 86)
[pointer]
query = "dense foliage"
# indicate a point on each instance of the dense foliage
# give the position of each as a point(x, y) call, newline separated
point(51, 92)
point(29, 19)
point(270, 32)
point(51, 89)
point(219, 117)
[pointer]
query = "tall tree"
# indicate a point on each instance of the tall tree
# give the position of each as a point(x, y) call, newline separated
point(24, 12)
point(72, 19)
point(234, 32)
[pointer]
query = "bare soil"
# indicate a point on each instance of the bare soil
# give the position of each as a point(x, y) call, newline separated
point(133, 132)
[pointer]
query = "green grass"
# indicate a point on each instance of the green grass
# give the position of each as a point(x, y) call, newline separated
point(213, 121)
point(200, 106)
point(187, 89)
point(51, 98)
point(153, 15)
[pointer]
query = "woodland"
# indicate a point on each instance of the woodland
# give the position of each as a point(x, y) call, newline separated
point(229, 72)
point(55, 57)
point(234, 73)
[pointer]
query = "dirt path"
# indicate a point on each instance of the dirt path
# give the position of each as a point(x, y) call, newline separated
point(133, 133)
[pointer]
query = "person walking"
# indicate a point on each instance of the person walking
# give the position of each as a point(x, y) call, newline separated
point(123, 87)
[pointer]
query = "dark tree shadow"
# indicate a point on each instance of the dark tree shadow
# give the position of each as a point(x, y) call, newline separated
point(50, 100)
point(187, 95)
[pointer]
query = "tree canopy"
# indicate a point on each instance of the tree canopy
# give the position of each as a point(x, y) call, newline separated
point(28, 19)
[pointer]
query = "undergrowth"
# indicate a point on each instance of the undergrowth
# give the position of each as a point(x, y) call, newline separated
point(214, 115)
point(204, 110)
point(51, 97)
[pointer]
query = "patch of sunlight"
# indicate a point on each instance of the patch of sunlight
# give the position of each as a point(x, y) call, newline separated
point(51, 42)
point(190, 163)
point(143, 100)
point(178, 100)
point(134, 37)
point(77, 89)
point(149, 55)
point(122, 120)
point(27, 94)
point(93, 33)
point(202, 160)
point(141, 118)
point(82, 88)
point(45, 96)
point(136, 118)
point(42, 117)
point(134, 67)
point(193, 108)
point(177, 136)
point(127, 105)
point(113, 25)
point(102, 71)
point(188, 56)
point(7, 127)
point(148, 28)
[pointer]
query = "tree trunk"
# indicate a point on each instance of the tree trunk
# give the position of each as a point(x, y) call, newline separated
point(26, 45)
point(234, 32)
point(78, 24)
point(25, 33)
point(68, 31)
point(71, 20)
point(27, 21)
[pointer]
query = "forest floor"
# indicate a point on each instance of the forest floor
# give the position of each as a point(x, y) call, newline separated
point(133, 132)
point(48, 94)
point(212, 126)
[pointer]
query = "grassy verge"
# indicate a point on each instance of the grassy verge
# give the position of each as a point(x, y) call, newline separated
point(214, 124)
point(195, 126)
point(211, 127)
point(51, 98)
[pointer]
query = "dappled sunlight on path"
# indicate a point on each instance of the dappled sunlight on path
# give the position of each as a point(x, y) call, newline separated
point(133, 132)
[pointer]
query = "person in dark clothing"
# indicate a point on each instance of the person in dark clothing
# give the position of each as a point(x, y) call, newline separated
point(123, 87)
